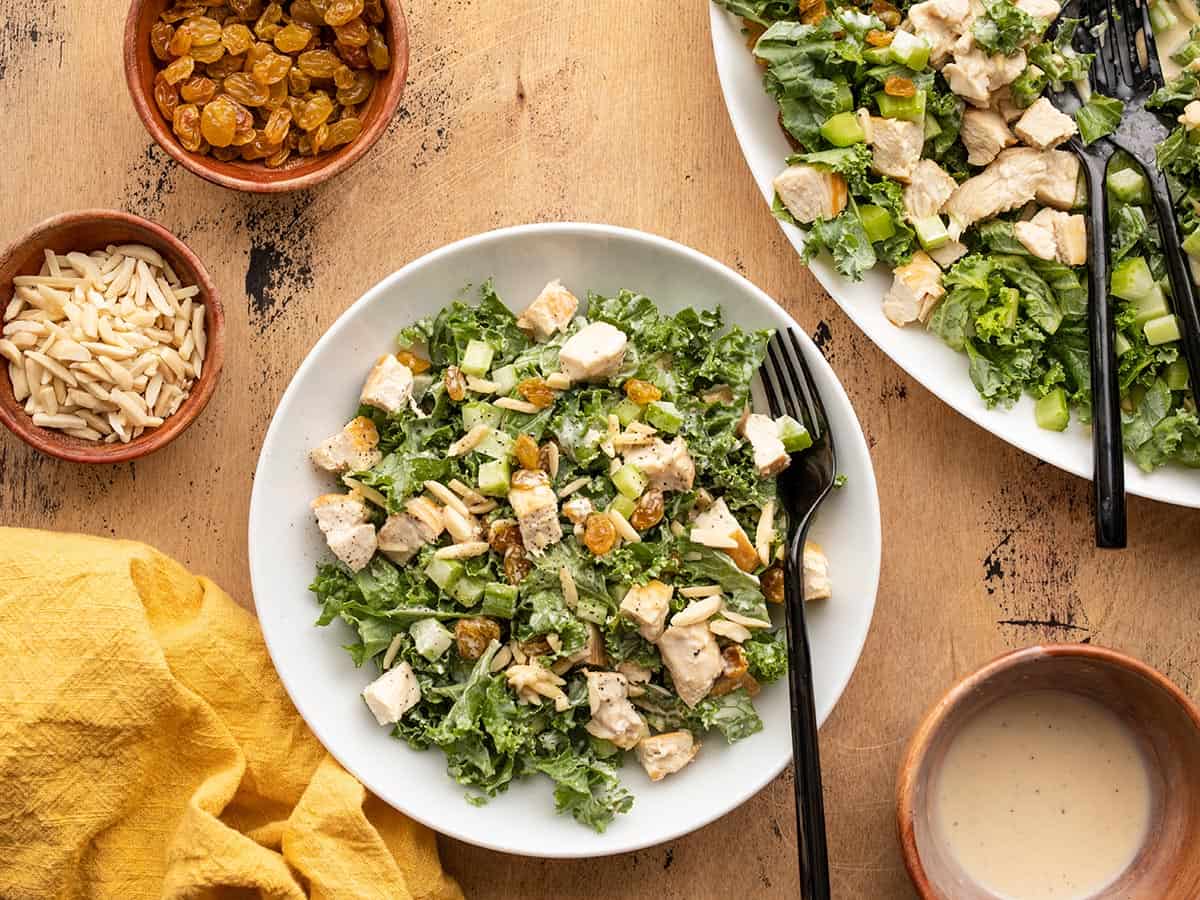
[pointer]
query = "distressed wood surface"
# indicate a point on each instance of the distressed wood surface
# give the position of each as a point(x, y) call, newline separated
point(542, 110)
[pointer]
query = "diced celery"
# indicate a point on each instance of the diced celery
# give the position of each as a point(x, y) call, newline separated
point(664, 415)
point(477, 412)
point(1129, 186)
point(1051, 411)
point(879, 56)
point(1177, 375)
point(477, 358)
point(421, 385)
point(506, 377)
point(911, 109)
point(1131, 279)
point(630, 481)
point(623, 505)
point(931, 232)
point(877, 222)
point(499, 600)
point(844, 98)
point(627, 411)
point(431, 638)
point(1162, 330)
point(1161, 17)
point(592, 610)
point(843, 130)
point(1121, 344)
point(794, 435)
point(468, 591)
point(1152, 306)
point(1191, 244)
point(444, 572)
point(497, 445)
point(493, 478)
point(909, 50)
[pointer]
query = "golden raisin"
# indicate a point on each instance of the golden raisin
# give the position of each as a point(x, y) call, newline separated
point(504, 535)
point(415, 364)
point(277, 126)
point(887, 12)
point(218, 122)
point(772, 583)
point(526, 452)
point(599, 534)
point(641, 392)
point(268, 25)
point(649, 510)
point(877, 38)
point(181, 42)
point(278, 158)
point(319, 137)
point(342, 11)
point(354, 57)
point(315, 112)
point(181, 12)
point(304, 11)
point(373, 11)
point(224, 67)
point(472, 636)
point(537, 392)
point(198, 89)
point(735, 663)
point(245, 90)
point(896, 86)
point(343, 131)
point(160, 40)
point(272, 68)
point(237, 39)
point(456, 383)
point(258, 148)
point(318, 64)
point(208, 55)
point(205, 31)
point(186, 125)
point(377, 51)
point(354, 33)
point(298, 82)
point(179, 70)
point(292, 38)
point(359, 89)
point(516, 565)
point(166, 98)
point(246, 9)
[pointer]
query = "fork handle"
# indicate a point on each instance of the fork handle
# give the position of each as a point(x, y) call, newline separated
point(1183, 289)
point(1108, 484)
point(812, 844)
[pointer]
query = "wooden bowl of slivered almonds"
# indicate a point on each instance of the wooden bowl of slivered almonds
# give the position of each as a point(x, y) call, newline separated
point(111, 340)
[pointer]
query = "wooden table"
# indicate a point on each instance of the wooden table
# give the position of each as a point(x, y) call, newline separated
point(540, 110)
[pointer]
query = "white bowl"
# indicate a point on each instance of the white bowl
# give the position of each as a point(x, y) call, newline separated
point(285, 544)
point(921, 354)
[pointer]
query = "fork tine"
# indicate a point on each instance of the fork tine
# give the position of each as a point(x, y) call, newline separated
point(812, 398)
point(1153, 66)
point(1116, 44)
point(793, 405)
point(1130, 22)
point(1103, 77)
point(769, 389)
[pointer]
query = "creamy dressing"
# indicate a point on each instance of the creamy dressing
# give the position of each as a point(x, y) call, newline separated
point(1171, 39)
point(1043, 795)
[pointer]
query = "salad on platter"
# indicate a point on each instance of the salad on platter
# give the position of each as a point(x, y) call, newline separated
point(922, 141)
point(558, 540)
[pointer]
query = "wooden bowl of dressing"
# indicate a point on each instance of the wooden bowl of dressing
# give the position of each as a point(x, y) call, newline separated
point(1012, 785)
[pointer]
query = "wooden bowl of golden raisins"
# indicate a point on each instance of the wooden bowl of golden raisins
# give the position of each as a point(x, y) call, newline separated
point(266, 96)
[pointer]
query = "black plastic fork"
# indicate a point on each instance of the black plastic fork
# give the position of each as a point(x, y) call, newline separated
point(1108, 449)
point(802, 486)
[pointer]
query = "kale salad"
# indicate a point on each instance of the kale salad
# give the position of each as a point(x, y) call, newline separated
point(557, 540)
point(922, 140)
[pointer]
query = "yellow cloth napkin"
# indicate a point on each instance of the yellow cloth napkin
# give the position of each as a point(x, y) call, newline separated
point(147, 748)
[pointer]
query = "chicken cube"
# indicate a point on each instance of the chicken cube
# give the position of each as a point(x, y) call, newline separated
point(1068, 235)
point(577, 509)
point(940, 23)
point(1003, 69)
point(1011, 181)
point(614, 718)
point(717, 519)
point(1037, 240)
point(1190, 117)
point(948, 254)
point(896, 147)
point(817, 583)
point(389, 385)
point(353, 449)
point(969, 76)
point(915, 291)
point(668, 466)
point(984, 133)
point(536, 507)
point(402, 536)
point(691, 655)
point(930, 189)
point(1046, 10)
point(770, 456)
point(393, 694)
point(1002, 102)
point(552, 311)
point(665, 754)
point(647, 606)
point(342, 518)
point(1058, 185)
point(811, 193)
point(1042, 126)
point(594, 353)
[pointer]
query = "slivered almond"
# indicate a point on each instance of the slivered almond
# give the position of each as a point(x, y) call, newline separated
point(465, 550)
point(700, 590)
point(715, 538)
point(737, 633)
point(572, 486)
point(745, 621)
point(624, 529)
point(470, 440)
point(515, 405)
point(697, 611)
point(448, 497)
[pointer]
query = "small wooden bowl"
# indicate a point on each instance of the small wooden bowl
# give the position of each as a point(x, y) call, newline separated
point(88, 230)
point(1165, 722)
point(298, 172)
